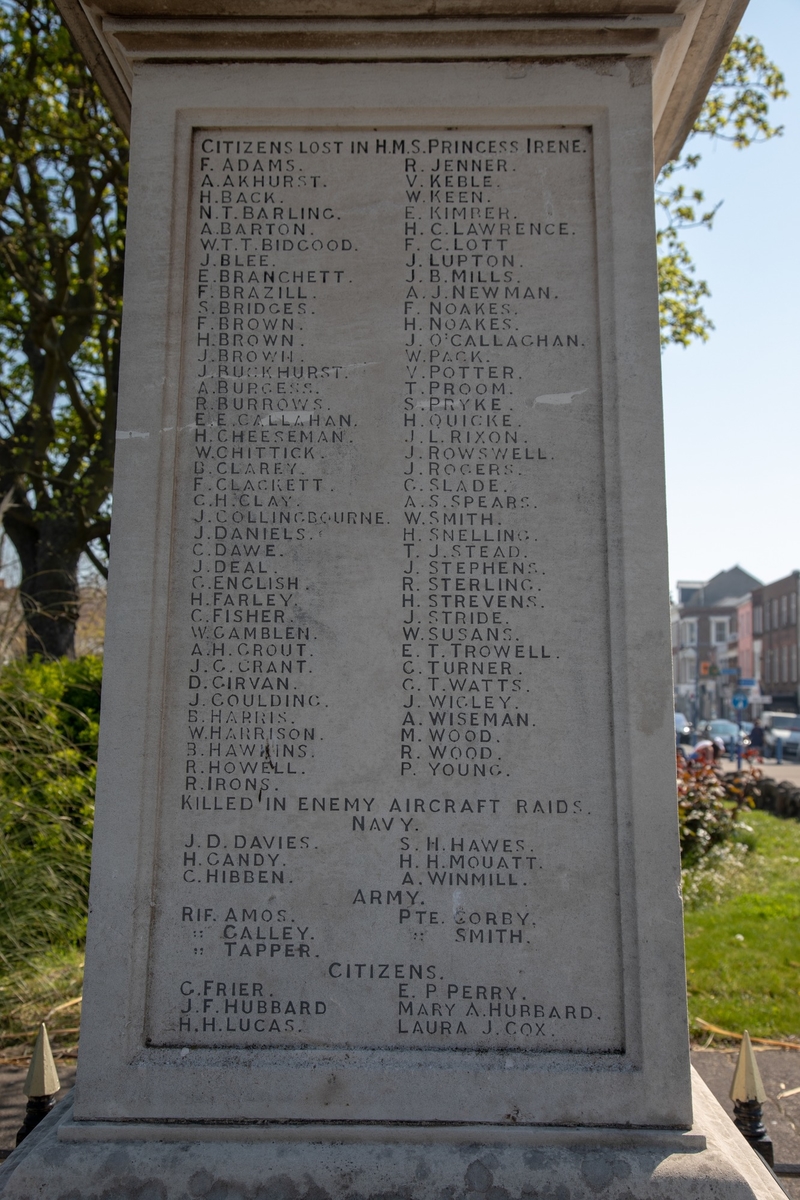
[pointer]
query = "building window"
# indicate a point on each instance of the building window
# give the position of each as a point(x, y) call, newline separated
point(784, 664)
point(784, 610)
point(767, 676)
point(758, 625)
point(793, 664)
point(774, 613)
point(720, 631)
point(793, 608)
point(690, 633)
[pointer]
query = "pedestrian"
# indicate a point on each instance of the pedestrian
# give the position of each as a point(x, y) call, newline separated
point(702, 752)
point(757, 738)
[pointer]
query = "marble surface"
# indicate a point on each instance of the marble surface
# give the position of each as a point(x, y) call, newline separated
point(389, 443)
point(711, 1161)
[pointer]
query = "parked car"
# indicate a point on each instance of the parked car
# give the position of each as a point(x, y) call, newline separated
point(791, 747)
point(727, 730)
point(779, 726)
point(683, 729)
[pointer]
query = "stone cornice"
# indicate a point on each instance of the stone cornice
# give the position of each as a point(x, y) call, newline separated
point(684, 39)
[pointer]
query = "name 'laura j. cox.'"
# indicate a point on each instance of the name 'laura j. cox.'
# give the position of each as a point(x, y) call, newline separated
point(448, 1008)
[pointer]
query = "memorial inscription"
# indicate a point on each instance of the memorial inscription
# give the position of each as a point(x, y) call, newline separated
point(387, 801)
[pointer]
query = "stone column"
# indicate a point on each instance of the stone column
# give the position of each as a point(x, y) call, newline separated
point(386, 884)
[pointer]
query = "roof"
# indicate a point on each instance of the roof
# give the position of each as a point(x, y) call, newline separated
point(780, 585)
point(725, 590)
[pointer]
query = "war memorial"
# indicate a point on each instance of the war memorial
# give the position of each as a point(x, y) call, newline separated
point(389, 517)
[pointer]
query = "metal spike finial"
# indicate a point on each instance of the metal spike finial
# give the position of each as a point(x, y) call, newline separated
point(747, 1083)
point(42, 1078)
point(41, 1084)
point(748, 1095)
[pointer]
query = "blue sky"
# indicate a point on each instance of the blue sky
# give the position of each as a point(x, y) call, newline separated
point(732, 405)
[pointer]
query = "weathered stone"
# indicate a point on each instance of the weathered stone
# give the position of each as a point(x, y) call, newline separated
point(412, 1163)
point(385, 894)
point(394, 645)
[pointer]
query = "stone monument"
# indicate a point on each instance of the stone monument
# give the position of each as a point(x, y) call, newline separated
point(385, 894)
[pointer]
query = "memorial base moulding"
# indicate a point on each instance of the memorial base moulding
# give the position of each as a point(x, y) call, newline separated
point(63, 1161)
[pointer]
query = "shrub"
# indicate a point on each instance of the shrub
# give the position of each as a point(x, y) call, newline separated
point(49, 719)
point(709, 807)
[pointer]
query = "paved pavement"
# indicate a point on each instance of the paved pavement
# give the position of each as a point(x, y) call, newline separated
point(12, 1101)
point(780, 1071)
point(789, 771)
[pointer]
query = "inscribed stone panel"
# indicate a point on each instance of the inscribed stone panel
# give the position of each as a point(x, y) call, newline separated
point(387, 808)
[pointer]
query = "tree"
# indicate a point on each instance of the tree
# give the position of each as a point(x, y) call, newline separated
point(735, 110)
point(63, 193)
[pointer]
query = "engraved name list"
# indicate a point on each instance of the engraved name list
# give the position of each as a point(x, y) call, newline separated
point(388, 638)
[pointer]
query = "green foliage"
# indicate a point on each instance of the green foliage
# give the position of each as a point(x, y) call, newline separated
point(742, 959)
point(63, 196)
point(736, 110)
point(737, 106)
point(49, 720)
point(709, 808)
point(680, 294)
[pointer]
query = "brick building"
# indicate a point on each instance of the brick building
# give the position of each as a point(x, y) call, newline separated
point(776, 628)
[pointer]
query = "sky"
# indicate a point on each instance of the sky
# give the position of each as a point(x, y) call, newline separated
point(732, 404)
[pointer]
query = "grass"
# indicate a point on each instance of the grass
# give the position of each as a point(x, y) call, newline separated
point(742, 928)
point(48, 753)
point(47, 988)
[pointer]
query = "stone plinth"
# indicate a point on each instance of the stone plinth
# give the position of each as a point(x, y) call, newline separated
point(472, 1162)
point(386, 837)
point(391, 452)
